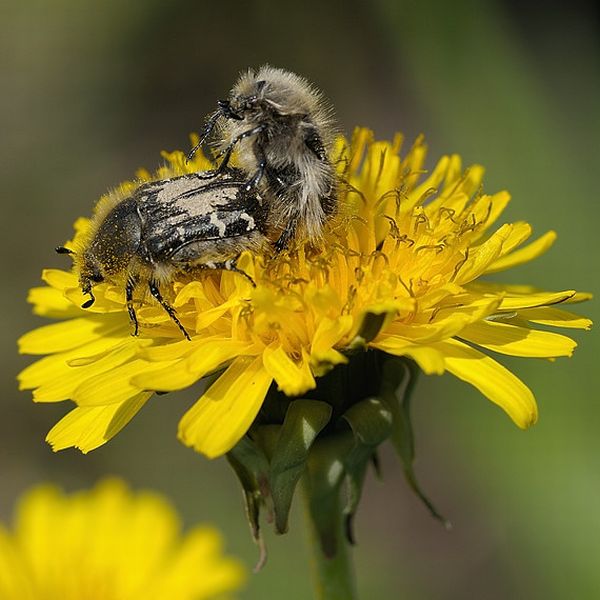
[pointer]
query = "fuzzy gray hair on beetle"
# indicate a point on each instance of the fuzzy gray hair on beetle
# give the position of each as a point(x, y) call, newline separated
point(282, 130)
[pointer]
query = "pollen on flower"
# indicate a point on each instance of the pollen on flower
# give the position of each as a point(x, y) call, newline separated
point(398, 271)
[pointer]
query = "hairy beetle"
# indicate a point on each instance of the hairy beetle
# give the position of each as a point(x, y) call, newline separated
point(196, 221)
point(282, 130)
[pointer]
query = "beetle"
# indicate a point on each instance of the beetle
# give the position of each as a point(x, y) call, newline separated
point(282, 130)
point(201, 220)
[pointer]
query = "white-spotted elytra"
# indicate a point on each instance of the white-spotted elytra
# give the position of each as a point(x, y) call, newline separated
point(166, 227)
point(282, 130)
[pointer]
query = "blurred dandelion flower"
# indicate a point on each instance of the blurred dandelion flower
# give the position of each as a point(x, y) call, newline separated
point(399, 272)
point(109, 544)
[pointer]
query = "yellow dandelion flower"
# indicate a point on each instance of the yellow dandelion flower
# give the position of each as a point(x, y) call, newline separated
point(109, 544)
point(398, 272)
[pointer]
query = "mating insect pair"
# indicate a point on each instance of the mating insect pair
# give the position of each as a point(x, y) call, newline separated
point(284, 189)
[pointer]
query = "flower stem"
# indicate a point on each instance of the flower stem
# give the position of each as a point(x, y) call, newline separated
point(331, 563)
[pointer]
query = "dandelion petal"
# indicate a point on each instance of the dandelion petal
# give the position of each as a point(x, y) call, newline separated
point(429, 359)
point(292, 378)
point(518, 341)
point(555, 317)
point(523, 255)
point(89, 427)
point(224, 413)
point(493, 380)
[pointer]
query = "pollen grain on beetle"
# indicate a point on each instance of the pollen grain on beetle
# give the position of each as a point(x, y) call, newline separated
point(406, 251)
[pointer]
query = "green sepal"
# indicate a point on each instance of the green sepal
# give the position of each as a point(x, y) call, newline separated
point(344, 458)
point(303, 421)
point(398, 382)
point(369, 329)
point(270, 460)
point(252, 469)
point(322, 481)
point(371, 424)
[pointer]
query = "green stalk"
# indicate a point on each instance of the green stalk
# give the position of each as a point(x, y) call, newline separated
point(331, 564)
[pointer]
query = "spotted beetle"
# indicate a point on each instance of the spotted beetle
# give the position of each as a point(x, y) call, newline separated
point(166, 227)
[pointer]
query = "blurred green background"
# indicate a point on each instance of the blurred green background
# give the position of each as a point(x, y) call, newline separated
point(91, 91)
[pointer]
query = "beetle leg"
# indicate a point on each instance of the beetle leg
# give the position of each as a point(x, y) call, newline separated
point(153, 286)
point(225, 110)
point(262, 165)
point(287, 234)
point(226, 153)
point(89, 302)
point(129, 287)
point(210, 125)
point(230, 265)
point(87, 289)
point(226, 265)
